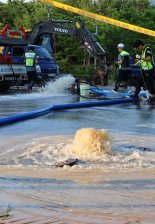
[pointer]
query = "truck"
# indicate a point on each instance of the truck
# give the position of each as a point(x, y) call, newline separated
point(12, 66)
point(11, 73)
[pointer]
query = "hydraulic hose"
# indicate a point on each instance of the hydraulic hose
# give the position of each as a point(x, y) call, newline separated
point(33, 114)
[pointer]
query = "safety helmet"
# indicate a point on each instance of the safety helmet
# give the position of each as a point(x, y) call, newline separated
point(120, 45)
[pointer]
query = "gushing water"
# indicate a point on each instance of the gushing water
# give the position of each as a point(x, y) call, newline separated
point(61, 85)
point(92, 147)
point(58, 88)
point(88, 141)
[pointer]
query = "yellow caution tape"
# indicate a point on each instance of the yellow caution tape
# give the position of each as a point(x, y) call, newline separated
point(101, 18)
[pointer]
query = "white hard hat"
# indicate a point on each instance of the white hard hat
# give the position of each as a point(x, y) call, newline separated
point(120, 45)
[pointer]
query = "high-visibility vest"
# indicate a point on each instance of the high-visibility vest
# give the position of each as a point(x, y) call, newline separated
point(1, 50)
point(146, 65)
point(30, 58)
point(123, 53)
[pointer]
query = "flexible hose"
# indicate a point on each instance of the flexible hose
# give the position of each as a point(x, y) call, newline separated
point(107, 92)
point(23, 116)
point(33, 114)
point(115, 94)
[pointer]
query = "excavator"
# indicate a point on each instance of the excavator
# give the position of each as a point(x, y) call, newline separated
point(43, 31)
point(42, 34)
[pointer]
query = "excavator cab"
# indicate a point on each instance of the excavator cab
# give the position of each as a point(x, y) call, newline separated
point(46, 41)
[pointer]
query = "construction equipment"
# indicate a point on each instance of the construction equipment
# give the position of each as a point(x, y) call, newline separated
point(46, 28)
point(43, 31)
point(11, 72)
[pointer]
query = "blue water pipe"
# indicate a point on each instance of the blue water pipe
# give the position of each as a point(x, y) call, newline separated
point(33, 114)
point(108, 92)
point(112, 93)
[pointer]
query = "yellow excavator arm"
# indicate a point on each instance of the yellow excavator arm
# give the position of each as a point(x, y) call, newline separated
point(101, 18)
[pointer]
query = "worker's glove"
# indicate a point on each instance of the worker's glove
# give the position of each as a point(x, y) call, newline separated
point(38, 69)
point(138, 56)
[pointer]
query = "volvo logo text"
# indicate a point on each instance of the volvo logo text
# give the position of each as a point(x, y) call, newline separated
point(60, 30)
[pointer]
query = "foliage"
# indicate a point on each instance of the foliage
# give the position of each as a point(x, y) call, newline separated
point(82, 71)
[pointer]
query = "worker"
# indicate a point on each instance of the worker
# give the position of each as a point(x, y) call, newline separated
point(101, 70)
point(123, 65)
point(1, 50)
point(147, 67)
point(30, 62)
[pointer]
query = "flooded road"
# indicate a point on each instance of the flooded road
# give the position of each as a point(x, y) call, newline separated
point(135, 118)
point(117, 187)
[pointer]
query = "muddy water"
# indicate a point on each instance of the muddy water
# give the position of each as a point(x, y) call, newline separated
point(118, 187)
point(113, 181)
point(82, 195)
point(118, 152)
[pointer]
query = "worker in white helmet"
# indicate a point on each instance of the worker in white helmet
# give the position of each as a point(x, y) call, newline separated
point(123, 64)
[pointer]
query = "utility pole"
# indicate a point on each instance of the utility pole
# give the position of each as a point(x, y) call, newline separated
point(48, 10)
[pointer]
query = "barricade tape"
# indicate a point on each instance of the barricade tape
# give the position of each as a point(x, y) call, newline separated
point(101, 18)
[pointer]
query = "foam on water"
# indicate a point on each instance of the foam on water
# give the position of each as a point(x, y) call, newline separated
point(90, 141)
point(60, 87)
point(91, 147)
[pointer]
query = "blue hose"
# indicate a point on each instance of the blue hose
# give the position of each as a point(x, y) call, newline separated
point(115, 94)
point(33, 114)
point(23, 116)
